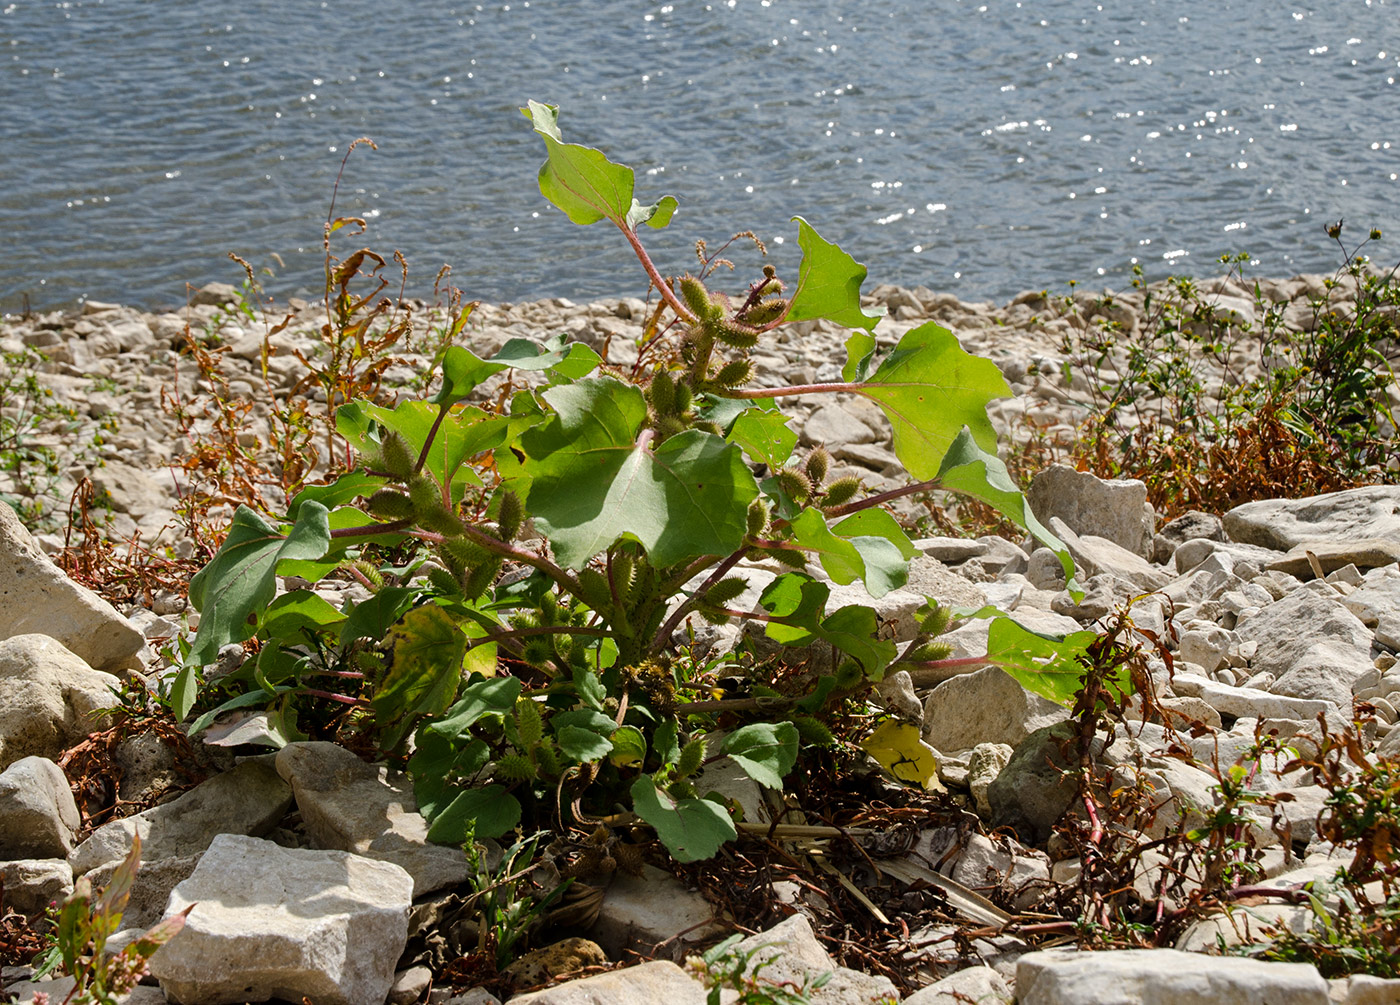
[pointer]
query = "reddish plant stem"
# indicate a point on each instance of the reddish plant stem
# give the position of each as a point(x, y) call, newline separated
point(663, 633)
point(666, 293)
point(880, 497)
point(520, 633)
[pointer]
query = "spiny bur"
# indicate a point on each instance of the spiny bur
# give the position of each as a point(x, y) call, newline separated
point(692, 756)
point(547, 758)
point(515, 768)
point(528, 722)
point(697, 298)
point(736, 336)
point(818, 463)
point(425, 494)
point(735, 373)
point(766, 311)
point(662, 393)
point(841, 491)
point(389, 504)
point(756, 519)
point(396, 456)
point(510, 515)
point(795, 483)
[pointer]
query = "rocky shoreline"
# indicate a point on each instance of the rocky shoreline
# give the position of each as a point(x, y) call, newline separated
point(1287, 624)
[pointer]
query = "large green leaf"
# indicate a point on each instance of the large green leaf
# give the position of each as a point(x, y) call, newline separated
point(487, 812)
point(372, 618)
point(763, 434)
point(828, 283)
point(594, 482)
point(930, 388)
point(796, 602)
point(495, 696)
point(345, 489)
point(241, 579)
point(425, 666)
point(291, 614)
point(876, 558)
point(439, 763)
point(860, 350)
point(583, 745)
point(765, 750)
point(316, 569)
point(1048, 665)
point(969, 469)
point(585, 184)
point(463, 370)
point(691, 829)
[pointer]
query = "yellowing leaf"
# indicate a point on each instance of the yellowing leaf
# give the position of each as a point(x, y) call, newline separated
point(902, 752)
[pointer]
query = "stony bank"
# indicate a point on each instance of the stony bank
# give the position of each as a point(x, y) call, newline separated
point(1268, 630)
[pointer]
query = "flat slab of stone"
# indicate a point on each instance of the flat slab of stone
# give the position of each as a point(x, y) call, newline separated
point(36, 596)
point(349, 805)
point(1115, 509)
point(248, 800)
point(1163, 977)
point(659, 981)
point(1367, 553)
point(288, 923)
point(1350, 515)
point(641, 912)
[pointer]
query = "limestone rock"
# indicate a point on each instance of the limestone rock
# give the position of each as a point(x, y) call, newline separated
point(249, 800)
point(1115, 509)
point(1325, 671)
point(646, 984)
point(1037, 786)
point(983, 765)
point(1094, 555)
point(32, 884)
point(288, 923)
point(150, 891)
point(349, 805)
point(1163, 977)
point(978, 985)
point(1288, 628)
point(1350, 515)
point(38, 816)
point(1248, 702)
point(641, 912)
point(1191, 525)
point(1367, 553)
point(36, 597)
point(987, 706)
point(48, 696)
point(792, 953)
point(1363, 989)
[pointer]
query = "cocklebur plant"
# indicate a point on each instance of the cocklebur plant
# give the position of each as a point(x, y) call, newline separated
point(532, 564)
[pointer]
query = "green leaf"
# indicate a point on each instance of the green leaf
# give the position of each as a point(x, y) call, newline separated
point(345, 489)
point(876, 523)
point(969, 469)
point(764, 435)
point(874, 559)
point(629, 747)
point(372, 618)
point(766, 750)
point(290, 614)
point(656, 216)
point(1048, 665)
point(586, 185)
point(691, 829)
point(583, 745)
point(437, 760)
point(930, 388)
point(241, 578)
point(828, 283)
point(490, 811)
point(245, 700)
point(583, 718)
point(593, 482)
point(314, 570)
point(860, 350)
point(495, 696)
point(463, 370)
point(665, 741)
point(901, 750)
point(796, 603)
point(589, 687)
point(425, 666)
point(184, 691)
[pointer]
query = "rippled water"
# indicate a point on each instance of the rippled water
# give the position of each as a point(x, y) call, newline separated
point(978, 148)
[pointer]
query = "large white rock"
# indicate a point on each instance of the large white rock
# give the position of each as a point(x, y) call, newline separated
point(38, 816)
point(349, 805)
point(1163, 977)
point(48, 697)
point(32, 884)
point(988, 706)
point(1095, 555)
point(1350, 515)
point(642, 912)
point(646, 984)
point(282, 922)
point(1116, 509)
point(250, 799)
point(790, 952)
point(975, 985)
point(1288, 628)
point(36, 596)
